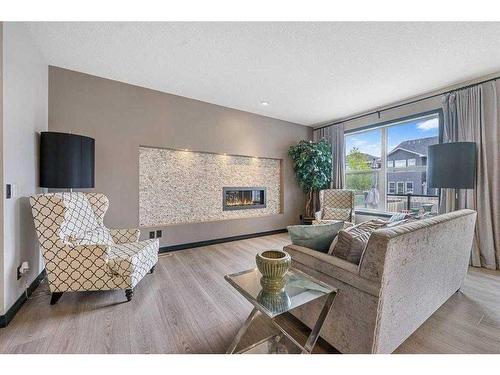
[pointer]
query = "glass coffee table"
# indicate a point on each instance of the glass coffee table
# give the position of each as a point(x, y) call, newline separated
point(300, 289)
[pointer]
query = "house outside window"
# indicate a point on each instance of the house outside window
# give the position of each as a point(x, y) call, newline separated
point(391, 161)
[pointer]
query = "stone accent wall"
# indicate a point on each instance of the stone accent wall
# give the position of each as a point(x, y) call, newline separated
point(184, 186)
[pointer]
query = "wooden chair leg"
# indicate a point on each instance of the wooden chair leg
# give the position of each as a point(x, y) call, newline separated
point(55, 297)
point(129, 293)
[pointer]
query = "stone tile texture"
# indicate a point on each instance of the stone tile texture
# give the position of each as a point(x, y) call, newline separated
point(184, 186)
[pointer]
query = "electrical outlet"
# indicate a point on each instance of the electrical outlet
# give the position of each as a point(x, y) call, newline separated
point(22, 269)
point(158, 234)
point(152, 234)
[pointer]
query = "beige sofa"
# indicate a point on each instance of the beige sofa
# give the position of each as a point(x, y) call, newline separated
point(405, 274)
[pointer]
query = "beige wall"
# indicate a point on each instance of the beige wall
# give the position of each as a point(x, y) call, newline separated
point(25, 90)
point(122, 117)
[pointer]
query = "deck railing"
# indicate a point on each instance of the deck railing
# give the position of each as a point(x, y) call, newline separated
point(402, 202)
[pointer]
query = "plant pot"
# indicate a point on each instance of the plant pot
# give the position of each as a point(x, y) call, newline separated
point(428, 207)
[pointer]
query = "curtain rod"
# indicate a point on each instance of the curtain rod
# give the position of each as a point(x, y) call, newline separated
point(403, 104)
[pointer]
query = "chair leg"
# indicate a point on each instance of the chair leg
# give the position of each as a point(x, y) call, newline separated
point(152, 270)
point(55, 297)
point(129, 293)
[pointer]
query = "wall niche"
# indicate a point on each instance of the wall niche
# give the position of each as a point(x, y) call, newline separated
point(178, 186)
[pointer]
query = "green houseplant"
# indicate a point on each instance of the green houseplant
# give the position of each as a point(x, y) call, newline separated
point(312, 163)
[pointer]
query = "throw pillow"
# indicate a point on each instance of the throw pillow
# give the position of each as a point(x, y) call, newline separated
point(330, 213)
point(316, 237)
point(352, 241)
point(79, 216)
point(99, 236)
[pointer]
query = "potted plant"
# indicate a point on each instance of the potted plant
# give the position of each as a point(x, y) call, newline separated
point(312, 163)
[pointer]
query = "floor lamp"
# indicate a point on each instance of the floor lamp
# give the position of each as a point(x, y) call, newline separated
point(452, 165)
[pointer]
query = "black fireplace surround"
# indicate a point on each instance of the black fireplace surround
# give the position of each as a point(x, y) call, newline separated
point(242, 198)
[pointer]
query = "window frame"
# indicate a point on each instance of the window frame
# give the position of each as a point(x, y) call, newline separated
point(389, 192)
point(384, 125)
point(412, 187)
point(411, 165)
point(397, 187)
point(399, 166)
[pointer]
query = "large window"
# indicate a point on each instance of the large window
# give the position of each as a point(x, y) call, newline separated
point(384, 164)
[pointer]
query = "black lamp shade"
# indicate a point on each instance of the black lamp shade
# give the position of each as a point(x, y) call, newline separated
point(451, 165)
point(66, 160)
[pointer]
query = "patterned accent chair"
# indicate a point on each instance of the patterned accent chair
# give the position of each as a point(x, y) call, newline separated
point(80, 253)
point(336, 204)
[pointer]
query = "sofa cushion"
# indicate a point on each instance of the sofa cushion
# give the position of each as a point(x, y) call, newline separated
point(316, 237)
point(78, 215)
point(133, 258)
point(98, 236)
point(331, 213)
point(351, 242)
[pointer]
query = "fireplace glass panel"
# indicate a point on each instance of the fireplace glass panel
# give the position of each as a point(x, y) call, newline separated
point(241, 198)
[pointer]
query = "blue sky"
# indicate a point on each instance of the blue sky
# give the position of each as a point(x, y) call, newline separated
point(369, 142)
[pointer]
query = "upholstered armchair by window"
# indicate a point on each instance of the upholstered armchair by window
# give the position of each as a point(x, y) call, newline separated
point(335, 204)
point(80, 253)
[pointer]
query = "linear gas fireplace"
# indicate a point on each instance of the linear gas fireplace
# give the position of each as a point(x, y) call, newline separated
point(242, 198)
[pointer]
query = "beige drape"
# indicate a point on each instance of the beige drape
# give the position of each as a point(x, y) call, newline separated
point(472, 115)
point(335, 135)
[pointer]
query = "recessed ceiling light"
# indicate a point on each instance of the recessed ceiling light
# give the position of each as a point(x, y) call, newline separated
point(264, 103)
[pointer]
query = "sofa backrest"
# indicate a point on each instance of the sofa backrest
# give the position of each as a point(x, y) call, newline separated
point(419, 266)
point(58, 215)
point(339, 199)
point(336, 198)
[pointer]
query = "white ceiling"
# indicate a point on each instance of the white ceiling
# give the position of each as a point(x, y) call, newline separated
point(308, 72)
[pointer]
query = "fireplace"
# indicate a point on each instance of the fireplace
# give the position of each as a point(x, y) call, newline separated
point(242, 198)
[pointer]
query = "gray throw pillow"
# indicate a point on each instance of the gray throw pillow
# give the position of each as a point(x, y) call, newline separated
point(351, 243)
point(316, 237)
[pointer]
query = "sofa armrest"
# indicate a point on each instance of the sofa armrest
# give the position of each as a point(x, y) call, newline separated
point(121, 236)
point(333, 267)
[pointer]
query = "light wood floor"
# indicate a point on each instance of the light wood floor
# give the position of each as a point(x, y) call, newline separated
point(187, 307)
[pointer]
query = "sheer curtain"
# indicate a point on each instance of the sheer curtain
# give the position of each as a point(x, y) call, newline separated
point(335, 135)
point(472, 115)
